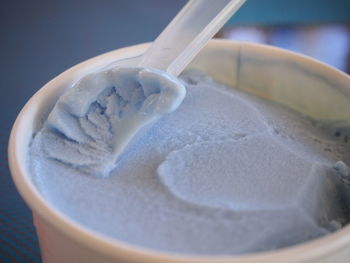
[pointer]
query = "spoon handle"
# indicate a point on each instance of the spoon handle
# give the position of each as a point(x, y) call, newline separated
point(187, 33)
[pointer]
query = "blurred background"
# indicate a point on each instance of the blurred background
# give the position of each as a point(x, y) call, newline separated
point(42, 38)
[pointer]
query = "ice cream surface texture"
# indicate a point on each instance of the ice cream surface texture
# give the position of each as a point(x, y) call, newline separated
point(93, 122)
point(225, 173)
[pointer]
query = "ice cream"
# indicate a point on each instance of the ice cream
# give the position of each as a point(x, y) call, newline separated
point(92, 124)
point(226, 173)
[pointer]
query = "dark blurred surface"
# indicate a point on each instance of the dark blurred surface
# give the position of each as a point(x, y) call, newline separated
point(296, 12)
point(329, 43)
point(40, 39)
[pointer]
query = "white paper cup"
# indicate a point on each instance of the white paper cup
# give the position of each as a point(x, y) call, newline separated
point(294, 80)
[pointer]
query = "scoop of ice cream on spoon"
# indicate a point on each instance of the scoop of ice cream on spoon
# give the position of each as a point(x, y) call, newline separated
point(96, 120)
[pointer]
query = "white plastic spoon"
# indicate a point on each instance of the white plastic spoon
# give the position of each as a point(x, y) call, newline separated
point(105, 112)
point(187, 34)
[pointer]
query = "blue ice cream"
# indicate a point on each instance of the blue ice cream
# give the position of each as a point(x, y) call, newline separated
point(225, 173)
point(94, 121)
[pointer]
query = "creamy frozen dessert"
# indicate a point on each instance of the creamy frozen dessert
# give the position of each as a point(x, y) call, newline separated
point(93, 122)
point(226, 173)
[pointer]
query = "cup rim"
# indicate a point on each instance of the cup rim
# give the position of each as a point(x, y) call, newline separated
point(114, 248)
